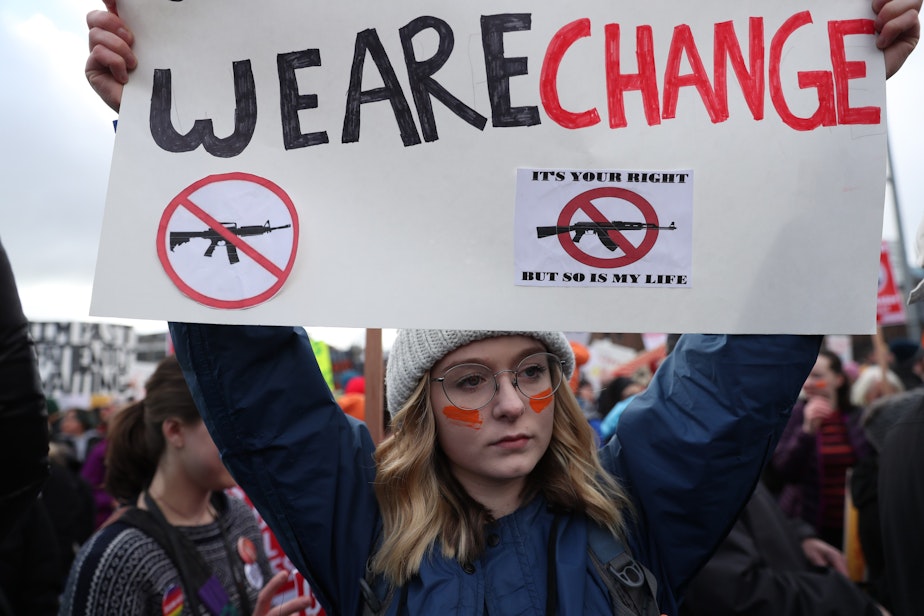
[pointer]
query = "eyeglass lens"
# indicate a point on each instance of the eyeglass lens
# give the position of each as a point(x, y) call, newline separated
point(472, 386)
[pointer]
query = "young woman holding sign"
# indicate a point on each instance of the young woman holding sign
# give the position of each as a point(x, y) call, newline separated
point(488, 497)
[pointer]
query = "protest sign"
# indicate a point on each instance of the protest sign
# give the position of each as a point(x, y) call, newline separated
point(890, 304)
point(437, 164)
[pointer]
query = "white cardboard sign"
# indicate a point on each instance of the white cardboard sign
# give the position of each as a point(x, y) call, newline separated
point(398, 131)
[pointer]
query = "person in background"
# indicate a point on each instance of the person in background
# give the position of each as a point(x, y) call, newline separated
point(94, 467)
point(907, 362)
point(872, 394)
point(901, 502)
point(771, 565)
point(587, 399)
point(30, 565)
point(821, 442)
point(870, 385)
point(93, 472)
point(616, 396)
point(353, 400)
point(162, 461)
point(899, 438)
point(617, 390)
point(24, 465)
point(68, 500)
point(581, 357)
point(76, 429)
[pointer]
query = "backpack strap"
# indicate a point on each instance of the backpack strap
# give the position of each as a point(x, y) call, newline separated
point(632, 587)
point(377, 593)
point(200, 586)
point(189, 572)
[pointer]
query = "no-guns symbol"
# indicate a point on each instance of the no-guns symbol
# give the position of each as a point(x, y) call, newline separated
point(609, 232)
point(260, 256)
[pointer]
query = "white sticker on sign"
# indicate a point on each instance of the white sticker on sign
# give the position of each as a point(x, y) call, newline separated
point(229, 241)
point(579, 227)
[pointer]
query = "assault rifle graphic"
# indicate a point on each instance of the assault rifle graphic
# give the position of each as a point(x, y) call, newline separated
point(178, 238)
point(600, 229)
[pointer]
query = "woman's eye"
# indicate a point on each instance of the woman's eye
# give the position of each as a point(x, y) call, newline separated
point(471, 381)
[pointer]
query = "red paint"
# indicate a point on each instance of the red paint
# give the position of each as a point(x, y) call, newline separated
point(750, 78)
point(825, 115)
point(845, 71)
point(548, 79)
point(645, 81)
point(682, 44)
point(754, 76)
point(470, 419)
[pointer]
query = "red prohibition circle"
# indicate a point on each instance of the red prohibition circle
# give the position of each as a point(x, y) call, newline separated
point(182, 200)
point(584, 202)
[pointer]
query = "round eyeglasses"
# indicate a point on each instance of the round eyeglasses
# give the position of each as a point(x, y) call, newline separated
point(473, 386)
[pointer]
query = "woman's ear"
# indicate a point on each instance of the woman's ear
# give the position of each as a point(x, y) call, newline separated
point(839, 381)
point(173, 433)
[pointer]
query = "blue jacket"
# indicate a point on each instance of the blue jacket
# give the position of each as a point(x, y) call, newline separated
point(689, 451)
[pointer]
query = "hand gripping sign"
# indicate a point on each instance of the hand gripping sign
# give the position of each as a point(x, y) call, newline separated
point(229, 241)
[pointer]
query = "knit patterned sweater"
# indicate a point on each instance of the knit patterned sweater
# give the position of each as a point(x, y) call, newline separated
point(121, 570)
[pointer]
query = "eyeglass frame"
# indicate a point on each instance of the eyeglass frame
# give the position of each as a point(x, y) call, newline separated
point(557, 360)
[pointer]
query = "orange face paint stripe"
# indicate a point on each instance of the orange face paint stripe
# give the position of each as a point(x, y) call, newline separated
point(540, 405)
point(469, 419)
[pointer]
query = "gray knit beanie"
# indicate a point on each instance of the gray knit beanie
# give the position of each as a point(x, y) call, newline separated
point(416, 350)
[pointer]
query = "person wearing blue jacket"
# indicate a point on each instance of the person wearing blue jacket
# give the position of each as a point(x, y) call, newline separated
point(480, 500)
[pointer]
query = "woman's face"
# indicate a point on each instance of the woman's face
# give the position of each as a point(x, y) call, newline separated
point(823, 381)
point(500, 443)
point(200, 458)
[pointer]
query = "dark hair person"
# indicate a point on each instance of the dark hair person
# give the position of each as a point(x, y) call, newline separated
point(822, 441)
point(162, 460)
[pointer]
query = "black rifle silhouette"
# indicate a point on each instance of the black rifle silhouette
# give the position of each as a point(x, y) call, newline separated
point(178, 238)
point(600, 229)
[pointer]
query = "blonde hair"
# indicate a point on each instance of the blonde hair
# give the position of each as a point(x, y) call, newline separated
point(870, 382)
point(422, 503)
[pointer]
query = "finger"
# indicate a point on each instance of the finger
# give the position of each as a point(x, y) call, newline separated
point(895, 26)
point(840, 565)
point(100, 22)
point(114, 44)
point(835, 559)
point(817, 560)
point(877, 5)
point(110, 52)
point(889, 9)
point(294, 606)
point(265, 597)
point(111, 6)
point(104, 63)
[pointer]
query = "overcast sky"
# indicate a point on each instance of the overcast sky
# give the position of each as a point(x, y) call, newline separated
point(57, 140)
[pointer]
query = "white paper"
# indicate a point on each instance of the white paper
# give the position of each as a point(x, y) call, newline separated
point(423, 234)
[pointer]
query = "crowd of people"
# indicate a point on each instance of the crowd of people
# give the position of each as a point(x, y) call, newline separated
point(783, 554)
point(724, 484)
